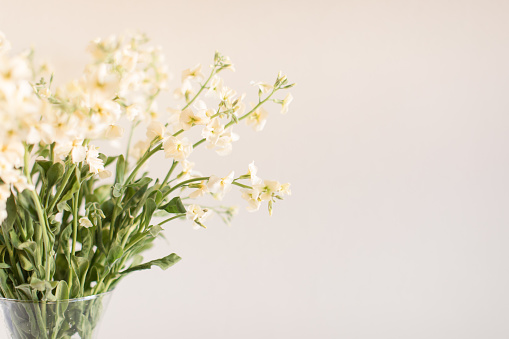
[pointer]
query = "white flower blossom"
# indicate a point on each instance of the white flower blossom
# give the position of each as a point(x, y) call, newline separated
point(188, 118)
point(177, 148)
point(114, 132)
point(213, 131)
point(220, 186)
point(268, 189)
point(75, 148)
point(286, 101)
point(197, 214)
point(139, 149)
point(252, 196)
point(252, 174)
point(85, 222)
point(224, 142)
point(215, 86)
point(257, 119)
point(192, 73)
point(155, 130)
point(201, 189)
point(262, 86)
point(94, 162)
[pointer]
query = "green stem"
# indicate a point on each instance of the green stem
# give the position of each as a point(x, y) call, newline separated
point(241, 118)
point(61, 188)
point(241, 185)
point(252, 110)
point(145, 157)
point(168, 175)
point(184, 183)
point(40, 213)
point(201, 89)
point(129, 140)
point(170, 219)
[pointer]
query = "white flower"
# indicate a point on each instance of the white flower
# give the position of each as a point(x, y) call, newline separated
point(155, 130)
point(201, 189)
point(96, 165)
point(220, 186)
point(192, 73)
point(176, 148)
point(252, 174)
point(213, 131)
point(197, 214)
point(139, 149)
point(187, 167)
point(257, 119)
point(22, 184)
point(5, 192)
point(188, 118)
point(75, 148)
point(215, 86)
point(185, 90)
point(44, 92)
point(285, 189)
point(78, 151)
point(268, 189)
point(226, 96)
point(224, 142)
point(85, 222)
point(262, 86)
point(114, 132)
point(252, 196)
point(133, 111)
point(286, 101)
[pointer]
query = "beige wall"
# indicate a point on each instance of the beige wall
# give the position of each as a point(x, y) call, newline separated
point(396, 145)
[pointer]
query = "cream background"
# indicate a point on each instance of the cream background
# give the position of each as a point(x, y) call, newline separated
point(396, 147)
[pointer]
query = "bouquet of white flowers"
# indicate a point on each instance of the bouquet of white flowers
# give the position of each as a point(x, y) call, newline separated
point(75, 221)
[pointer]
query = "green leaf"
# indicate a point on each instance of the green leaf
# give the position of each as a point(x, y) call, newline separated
point(28, 246)
point(163, 263)
point(11, 214)
point(119, 176)
point(55, 173)
point(141, 182)
point(115, 253)
point(117, 190)
point(108, 160)
point(39, 285)
point(174, 206)
point(14, 238)
point(86, 242)
point(26, 264)
point(44, 165)
point(149, 209)
point(26, 289)
point(155, 230)
point(100, 194)
point(4, 265)
point(69, 194)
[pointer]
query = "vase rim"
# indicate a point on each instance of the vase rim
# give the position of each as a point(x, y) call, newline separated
point(73, 300)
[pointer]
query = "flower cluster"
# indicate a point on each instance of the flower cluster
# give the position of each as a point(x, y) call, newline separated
point(51, 170)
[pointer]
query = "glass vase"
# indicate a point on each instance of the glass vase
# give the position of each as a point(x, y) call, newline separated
point(63, 319)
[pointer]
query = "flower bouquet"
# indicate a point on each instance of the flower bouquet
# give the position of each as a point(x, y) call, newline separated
point(75, 221)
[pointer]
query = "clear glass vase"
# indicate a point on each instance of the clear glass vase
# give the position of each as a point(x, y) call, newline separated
point(63, 319)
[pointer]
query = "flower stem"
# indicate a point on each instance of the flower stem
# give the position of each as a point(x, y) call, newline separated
point(40, 213)
point(201, 89)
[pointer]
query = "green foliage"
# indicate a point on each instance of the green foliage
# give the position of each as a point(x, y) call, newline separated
point(163, 263)
point(59, 258)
